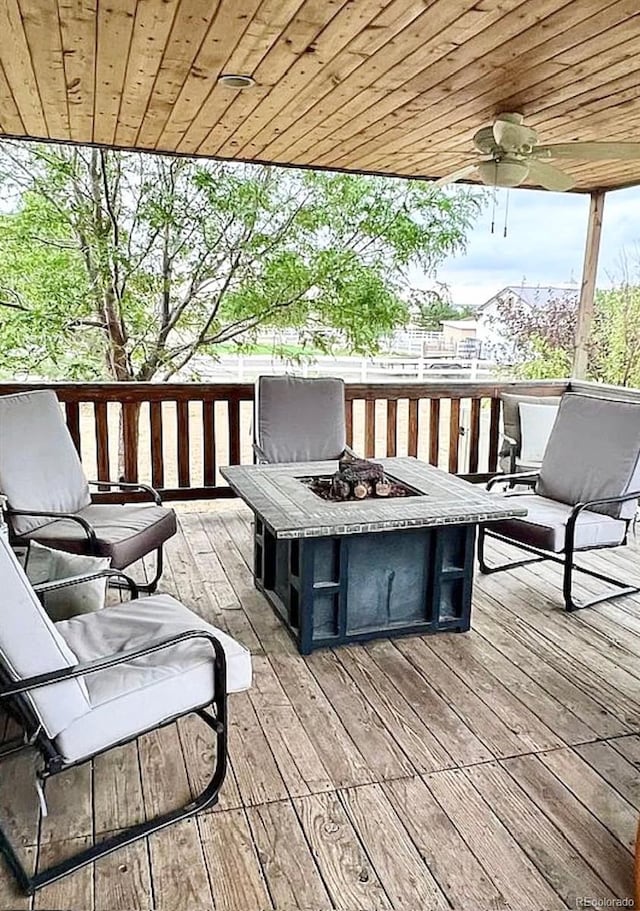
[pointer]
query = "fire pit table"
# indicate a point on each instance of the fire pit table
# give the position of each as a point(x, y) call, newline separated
point(345, 571)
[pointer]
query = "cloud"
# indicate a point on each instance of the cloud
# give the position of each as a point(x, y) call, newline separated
point(544, 244)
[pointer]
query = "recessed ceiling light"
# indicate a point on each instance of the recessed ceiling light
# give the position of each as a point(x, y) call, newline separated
point(236, 81)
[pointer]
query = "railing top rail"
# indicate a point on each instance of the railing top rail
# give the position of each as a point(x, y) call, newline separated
point(158, 392)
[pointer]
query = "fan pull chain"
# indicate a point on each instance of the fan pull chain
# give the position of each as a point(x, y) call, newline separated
point(493, 207)
point(506, 214)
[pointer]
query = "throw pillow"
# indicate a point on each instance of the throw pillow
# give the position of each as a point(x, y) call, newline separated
point(44, 564)
point(536, 424)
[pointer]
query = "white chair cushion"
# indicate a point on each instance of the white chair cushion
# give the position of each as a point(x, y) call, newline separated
point(546, 523)
point(536, 424)
point(44, 564)
point(31, 645)
point(135, 697)
point(39, 466)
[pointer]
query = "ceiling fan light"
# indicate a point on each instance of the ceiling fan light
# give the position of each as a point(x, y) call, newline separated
point(508, 172)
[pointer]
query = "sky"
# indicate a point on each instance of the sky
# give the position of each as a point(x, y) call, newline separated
point(544, 245)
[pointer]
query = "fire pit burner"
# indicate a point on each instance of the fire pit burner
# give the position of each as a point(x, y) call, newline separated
point(358, 479)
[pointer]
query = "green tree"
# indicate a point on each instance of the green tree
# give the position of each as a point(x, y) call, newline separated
point(543, 336)
point(124, 266)
point(615, 348)
point(434, 307)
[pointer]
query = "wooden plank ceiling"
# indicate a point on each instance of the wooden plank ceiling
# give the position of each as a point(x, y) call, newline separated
point(392, 86)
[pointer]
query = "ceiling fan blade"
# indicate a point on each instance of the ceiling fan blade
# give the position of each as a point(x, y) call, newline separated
point(513, 136)
point(591, 151)
point(467, 171)
point(549, 177)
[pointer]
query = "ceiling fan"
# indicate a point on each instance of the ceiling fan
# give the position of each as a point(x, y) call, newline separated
point(509, 154)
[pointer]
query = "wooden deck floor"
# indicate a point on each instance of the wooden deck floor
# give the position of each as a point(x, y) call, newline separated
point(493, 770)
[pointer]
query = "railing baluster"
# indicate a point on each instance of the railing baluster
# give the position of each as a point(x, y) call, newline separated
point(130, 414)
point(413, 427)
point(454, 435)
point(101, 426)
point(434, 431)
point(157, 454)
point(234, 431)
point(209, 442)
point(348, 414)
point(392, 427)
point(182, 414)
point(474, 441)
point(72, 412)
point(494, 434)
point(370, 428)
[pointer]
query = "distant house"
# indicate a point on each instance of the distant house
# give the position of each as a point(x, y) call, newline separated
point(491, 331)
point(460, 335)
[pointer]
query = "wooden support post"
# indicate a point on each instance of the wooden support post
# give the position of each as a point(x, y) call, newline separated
point(588, 288)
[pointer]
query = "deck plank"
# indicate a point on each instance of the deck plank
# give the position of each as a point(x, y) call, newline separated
point(446, 854)
point(401, 720)
point(122, 880)
point(180, 876)
point(74, 891)
point(614, 768)
point(447, 726)
point(351, 880)
point(492, 730)
point(235, 870)
point(403, 874)
point(289, 867)
point(381, 753)
point(118, 789)
point(597, 795)
point(505, 861)
point(552, 853)
point(601, 850)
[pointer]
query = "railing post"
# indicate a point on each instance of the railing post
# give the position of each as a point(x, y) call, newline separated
point(588, 287)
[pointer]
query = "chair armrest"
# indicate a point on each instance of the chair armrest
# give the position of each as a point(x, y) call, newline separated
point(511, 450)
point(260, 455)
point(601, 501)
point(42, 588)
point(519, 477)
point(130, 485)
point(605, 501)
point(101, 664)
point(88, 528)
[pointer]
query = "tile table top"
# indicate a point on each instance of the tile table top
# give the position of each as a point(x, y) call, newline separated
point(291, 510)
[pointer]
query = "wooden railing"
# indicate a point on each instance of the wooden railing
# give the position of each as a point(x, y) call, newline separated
point(176, 436)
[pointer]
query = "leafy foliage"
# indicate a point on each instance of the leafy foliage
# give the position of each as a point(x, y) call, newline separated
point(431, 312)
point(125, 266)
point(543, 336)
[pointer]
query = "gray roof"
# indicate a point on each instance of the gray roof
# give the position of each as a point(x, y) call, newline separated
point(535, 295)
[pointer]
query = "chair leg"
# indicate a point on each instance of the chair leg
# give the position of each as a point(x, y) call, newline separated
point(487, 569)
point(147, 587)
point(568, 569)
point(571, 604)
point(151, 586)
point(206, 799)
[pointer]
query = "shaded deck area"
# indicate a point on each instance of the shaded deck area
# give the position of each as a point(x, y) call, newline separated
point(492, 770)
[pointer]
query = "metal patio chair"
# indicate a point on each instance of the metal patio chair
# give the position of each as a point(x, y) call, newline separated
point(299, 420)
point(48, 495)
point(80, 687)
point(585, 494)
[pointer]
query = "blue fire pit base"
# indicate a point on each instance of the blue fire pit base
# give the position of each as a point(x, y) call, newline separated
point(349, 588)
